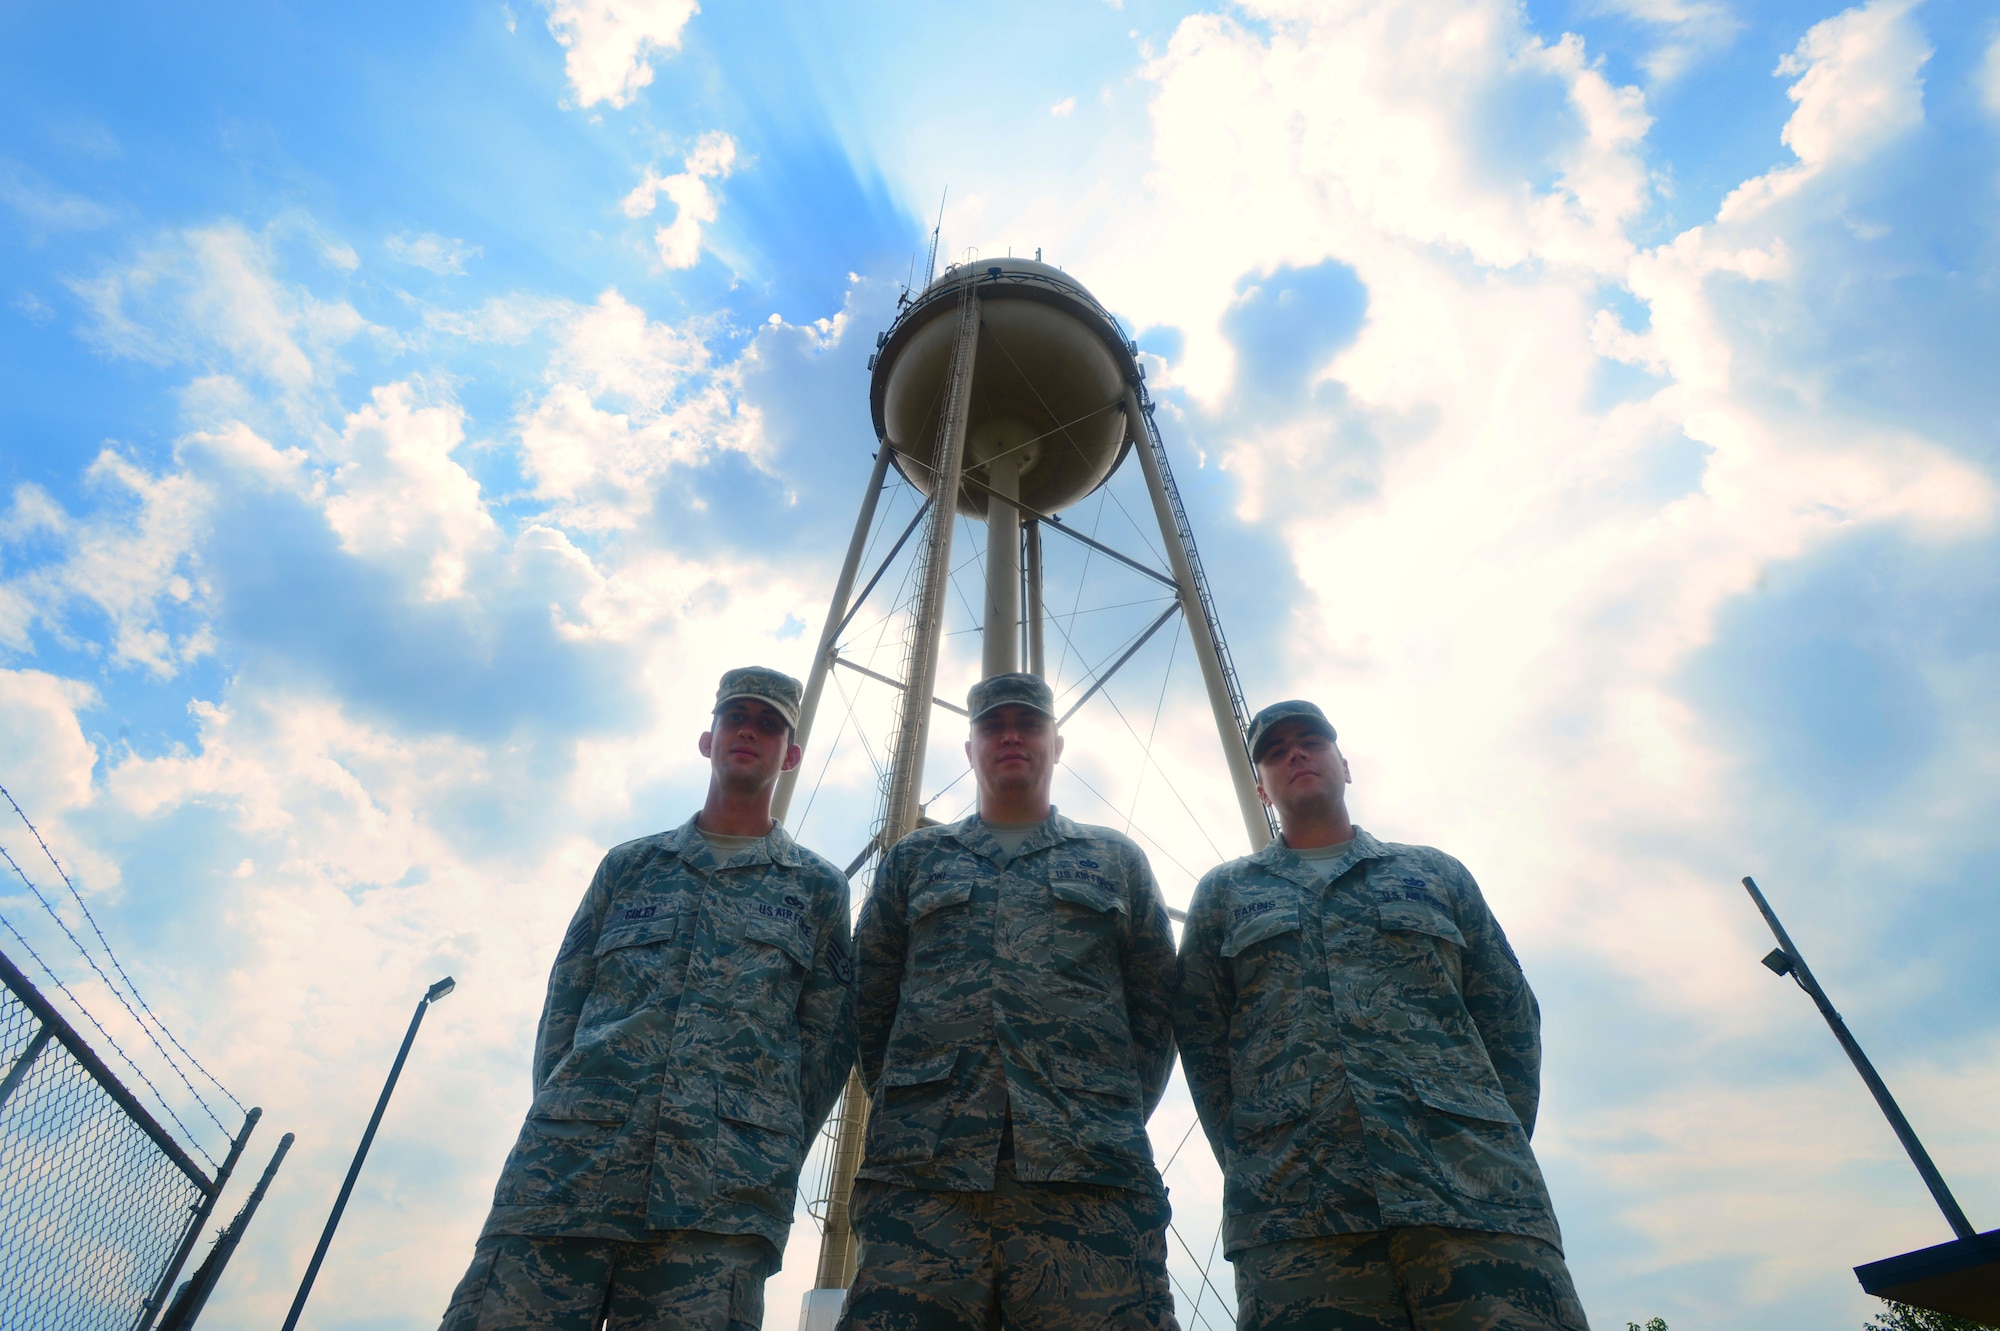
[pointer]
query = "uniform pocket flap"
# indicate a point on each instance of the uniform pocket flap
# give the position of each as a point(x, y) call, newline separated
point(782, 934)
point(637, 926)
point(1416, 917)
point(1257, 921)
point(937, 896)
point(759, 1108)
point(1478, 1102)
point(584, 1101)
point(1096, 1078)
point(1088, 895)
point(1269, 1106)
point(922, 1071)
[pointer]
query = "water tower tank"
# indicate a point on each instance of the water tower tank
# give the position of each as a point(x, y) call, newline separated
point(1048, 380)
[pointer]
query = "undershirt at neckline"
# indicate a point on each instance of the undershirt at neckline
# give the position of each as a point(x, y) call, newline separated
point(1320, 859)
point(1011, 835)
point(723, 847)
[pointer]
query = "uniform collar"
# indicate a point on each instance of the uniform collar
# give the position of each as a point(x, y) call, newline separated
point(687, 842)
point(971, 833)
point(1282, 860)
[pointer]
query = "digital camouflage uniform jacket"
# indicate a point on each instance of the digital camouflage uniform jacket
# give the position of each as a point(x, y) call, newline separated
point(698, 1026)
point(1043, 982)
point(1363, 1054)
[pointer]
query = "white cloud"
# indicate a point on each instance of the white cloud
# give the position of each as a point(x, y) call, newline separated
point(1860, 87)
point(611, 43)
point(439, 254)
point(130, 560)
point(1350, 129)
point(679, 242)
point(1722, 1194)
point(398, 495)
point(629, 399)
point(1691, 30)
point(1063, 108)
point(36, 310)
point(46, 207)
point(209, 297)
point(510, 319)
point(42, 746)
point(1989, 78)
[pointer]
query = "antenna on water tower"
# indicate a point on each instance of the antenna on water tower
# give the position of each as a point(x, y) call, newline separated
point(1004, 392)
point(930, 264)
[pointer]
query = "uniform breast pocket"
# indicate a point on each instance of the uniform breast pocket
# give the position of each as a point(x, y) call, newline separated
point(1425, 947)
point(1420, 917)
point(762, 976)
point(789, 937)
point(566, 1143)
point(1265, 949)
point(1255, 924)
point(633, 958)
point(1088, 920)
point(939, 915)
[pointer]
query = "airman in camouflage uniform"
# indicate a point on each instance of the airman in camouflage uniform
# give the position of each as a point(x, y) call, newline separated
point(1014, 1001)
point(1365, 1056)
point(698, 1026)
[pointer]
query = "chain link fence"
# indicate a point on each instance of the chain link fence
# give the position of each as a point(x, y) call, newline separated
point(98, 1204)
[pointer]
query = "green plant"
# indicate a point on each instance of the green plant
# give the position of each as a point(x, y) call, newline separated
point(1902, 1317)
point(1652, 1324)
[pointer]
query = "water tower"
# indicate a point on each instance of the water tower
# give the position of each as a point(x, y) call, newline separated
point(1003, 391)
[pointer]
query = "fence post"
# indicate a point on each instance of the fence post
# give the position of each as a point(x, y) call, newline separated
point(202, 1211)
point(193, 1296)
point(57, 1089)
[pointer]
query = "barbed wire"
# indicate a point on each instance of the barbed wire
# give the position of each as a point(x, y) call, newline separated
point(91, 1017)
point(78, 944)
point(115, 963)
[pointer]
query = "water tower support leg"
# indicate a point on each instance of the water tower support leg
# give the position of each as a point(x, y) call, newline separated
point(838, 1248)
point(1228, 727)
point(843, 587)
point(1032, 538)
point(1000, 649)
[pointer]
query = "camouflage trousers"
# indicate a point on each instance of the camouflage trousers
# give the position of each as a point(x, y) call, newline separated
point(1026, 1256)
point(685, 1280)
point(1413, 1278)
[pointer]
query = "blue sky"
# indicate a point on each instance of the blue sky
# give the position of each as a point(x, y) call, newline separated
point(409, 412)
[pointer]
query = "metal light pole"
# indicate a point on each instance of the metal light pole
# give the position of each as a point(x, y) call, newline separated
point(1785, 960)
point(431, 995)
point(1960, 1278)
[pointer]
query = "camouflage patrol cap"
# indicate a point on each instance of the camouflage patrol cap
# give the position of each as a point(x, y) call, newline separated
point(765, 685)
point(1017, 687)
point(1260, 724)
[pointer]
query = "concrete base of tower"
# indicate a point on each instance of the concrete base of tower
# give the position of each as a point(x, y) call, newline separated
point(822, 1309)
